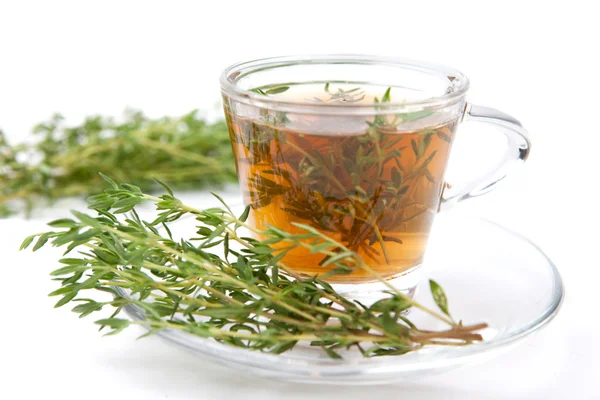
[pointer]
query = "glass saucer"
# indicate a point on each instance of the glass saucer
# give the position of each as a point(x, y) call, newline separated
point(490, 274)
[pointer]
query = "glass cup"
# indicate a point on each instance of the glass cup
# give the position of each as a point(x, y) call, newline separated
point(357, 148)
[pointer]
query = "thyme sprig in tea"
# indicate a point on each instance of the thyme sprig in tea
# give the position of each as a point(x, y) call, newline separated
point(221, 284)
point(374, 188)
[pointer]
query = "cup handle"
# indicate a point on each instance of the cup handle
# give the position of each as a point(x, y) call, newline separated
point(519, 146)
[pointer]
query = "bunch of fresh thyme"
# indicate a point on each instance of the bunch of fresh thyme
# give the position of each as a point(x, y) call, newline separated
point(65, 161)
point(224, 285)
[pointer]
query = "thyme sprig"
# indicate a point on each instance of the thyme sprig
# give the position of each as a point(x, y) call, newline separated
point(224, 285)
point(65, 161)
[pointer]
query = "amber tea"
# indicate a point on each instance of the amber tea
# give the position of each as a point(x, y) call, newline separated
point(369, 183)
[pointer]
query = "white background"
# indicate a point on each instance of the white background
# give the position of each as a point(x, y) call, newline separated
point(535, 61)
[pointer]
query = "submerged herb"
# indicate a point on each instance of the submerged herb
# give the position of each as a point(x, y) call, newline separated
point(341, 96)
point(65, 161)
point(353, 185)
point(223, 285)
point(270, 90)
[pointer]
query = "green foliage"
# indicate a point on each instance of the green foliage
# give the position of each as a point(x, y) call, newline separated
point(65, 161)
point(245, 297)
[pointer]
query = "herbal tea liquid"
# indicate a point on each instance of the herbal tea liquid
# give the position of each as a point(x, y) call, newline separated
point(367, 182)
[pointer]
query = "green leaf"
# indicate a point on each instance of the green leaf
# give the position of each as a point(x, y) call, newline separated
point(222, 202)
point(259, 91)
point(426, 142)
point(396, 177)
point(407, 321)
point(259, 250)
point(100, 202)
point(283, 347)
point(277, 90)
point(443, 136)
point(64, 290)
point(226, 246)
point(386, 96)
point(63, 223)
point(389, 324)
point(68, 270)
point(243, 268)
point(439, 296)
point(87, 308)
point(108, 215)
point(108, 257)
point(225, 312)
point(204, 231)
point(42, 240)
point(87, 220)
point(165, 186)
point(244, 216)
point(415, 148)
point(27, 242)
point(275, 259)
point(131, 188)
point(66, 298)
point(320, 248)
point(110, 181)
point(198, 330)
point(116, 324)
point(332, 354)
point(392, 304)
point(428, 159)
point(397, 349)
point(216, 233)
point(429, 175)
point(338, 257)
point(126, 204)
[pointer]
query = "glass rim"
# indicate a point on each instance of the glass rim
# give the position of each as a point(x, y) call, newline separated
point(230, 88)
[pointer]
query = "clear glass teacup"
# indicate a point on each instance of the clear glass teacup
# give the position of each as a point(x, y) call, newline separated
point(357, 148)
